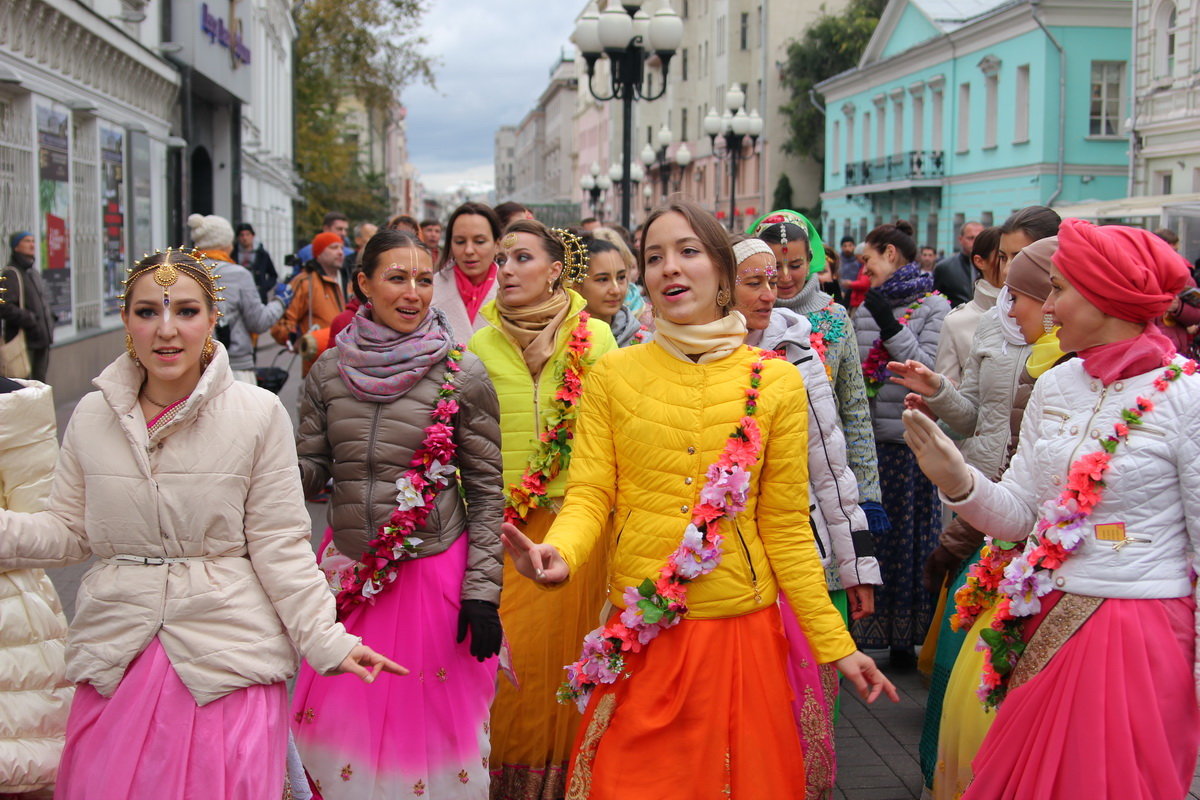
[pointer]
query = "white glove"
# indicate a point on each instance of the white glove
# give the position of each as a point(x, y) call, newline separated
point(939, 459)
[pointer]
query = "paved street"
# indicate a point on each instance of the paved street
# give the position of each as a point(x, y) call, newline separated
point(877, 744)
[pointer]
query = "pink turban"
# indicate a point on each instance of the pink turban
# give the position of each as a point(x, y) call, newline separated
point(1127, 273)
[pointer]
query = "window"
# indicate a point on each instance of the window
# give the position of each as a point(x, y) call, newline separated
point(721, 35)
point(1166, 31)
point(991, 85)
point(744, 33)
point(1021, 112)
point(849, 139)
point(837, 146)
point(1104, 118)
point(986, 219)
point(1163, 182)
point(880, 130)
point(685, 9)
point(918, 122)
point(866, 136)
point(683, 137)
point(964, 118)
point(898, 126)
point(938, 105)
point(683, 65)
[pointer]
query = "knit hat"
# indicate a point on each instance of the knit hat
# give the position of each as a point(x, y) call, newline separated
point(323, 240)
point(211, 232)
point(1128, 273)
point(16, 238)
point(245, 226)
point(1029, 271)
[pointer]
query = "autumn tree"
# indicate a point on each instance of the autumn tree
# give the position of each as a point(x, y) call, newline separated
point(361, 50)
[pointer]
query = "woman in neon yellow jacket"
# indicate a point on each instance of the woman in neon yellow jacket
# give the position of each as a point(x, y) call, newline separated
point(538, 346)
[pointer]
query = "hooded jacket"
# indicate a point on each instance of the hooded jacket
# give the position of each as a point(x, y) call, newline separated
point(217, 488)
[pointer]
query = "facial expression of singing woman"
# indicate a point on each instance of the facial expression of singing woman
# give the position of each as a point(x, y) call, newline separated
point(879, 266)
point(168, 327)
point(472, 246)
point(528, 276)
point(791, 266)
point(605, 285)
point(679, 273)
point(399, 288)
point(755, 292)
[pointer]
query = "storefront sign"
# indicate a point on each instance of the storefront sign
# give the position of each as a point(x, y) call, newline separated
point(231, 37)
point(54, 201)
point(112, 211)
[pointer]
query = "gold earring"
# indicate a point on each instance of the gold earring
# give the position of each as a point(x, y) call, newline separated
point(1047, 322)
point(723, 298)
point(130, 350)
point(207, 353)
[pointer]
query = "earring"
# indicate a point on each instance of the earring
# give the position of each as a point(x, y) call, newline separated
point(207, 353)
point(723, 298)
point(1047, 322)
point(130, 350)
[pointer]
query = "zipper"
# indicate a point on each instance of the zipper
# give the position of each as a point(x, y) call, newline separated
point(616, 544)
point(749, 563)
point(1128, 540)
point(370, 517)
point(1091, 419)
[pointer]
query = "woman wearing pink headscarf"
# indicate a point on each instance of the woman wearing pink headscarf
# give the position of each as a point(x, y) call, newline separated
point(1092, 658)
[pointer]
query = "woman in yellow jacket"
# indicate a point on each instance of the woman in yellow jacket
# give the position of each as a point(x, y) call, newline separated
point(700, 443)
point(537, 347)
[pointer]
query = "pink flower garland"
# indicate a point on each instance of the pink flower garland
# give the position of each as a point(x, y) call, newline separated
point(656, 605)
point(429, 473)
point(1060, 530)
point(874, 366)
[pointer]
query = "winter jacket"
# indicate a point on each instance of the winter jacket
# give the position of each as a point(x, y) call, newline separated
point(447, 298)
point(955, 277)
point(978, 410)
point(958, 332)
point(916, 341)
point(649, 427)
point(365, 447)
point(262, 269)
point(34, 692)
point(316, 301)
point(244, 313)
point(1152, 487)
point(37, 319)
point(522, 403)
point(843, 539)
point(218, 487)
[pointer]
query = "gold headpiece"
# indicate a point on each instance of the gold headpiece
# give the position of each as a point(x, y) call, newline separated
point(167, 266)
point(575, 264)
point(509, 241)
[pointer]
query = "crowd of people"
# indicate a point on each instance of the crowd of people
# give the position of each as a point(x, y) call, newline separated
point(613, 514)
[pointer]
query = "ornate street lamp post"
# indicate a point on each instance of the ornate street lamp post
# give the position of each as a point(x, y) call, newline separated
point(734, 128)
point(659, 159)
point(628, 36)
point(594, 184)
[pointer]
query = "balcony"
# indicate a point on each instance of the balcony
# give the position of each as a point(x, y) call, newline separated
point(914, 165)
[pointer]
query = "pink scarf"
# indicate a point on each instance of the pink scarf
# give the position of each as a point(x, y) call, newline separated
point(472, 295)
point(379, 364)
point(1147, 351)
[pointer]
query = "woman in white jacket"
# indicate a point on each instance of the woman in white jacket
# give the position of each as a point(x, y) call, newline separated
point(183, 483)
point(34, 691)
point(840, 529)
point(1092, 651)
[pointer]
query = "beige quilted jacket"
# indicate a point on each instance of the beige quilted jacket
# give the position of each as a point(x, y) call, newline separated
point(34, 692)
point(211, 507)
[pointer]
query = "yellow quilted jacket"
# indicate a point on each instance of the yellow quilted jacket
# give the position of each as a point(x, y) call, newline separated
point(521, 402)
point(649, 427)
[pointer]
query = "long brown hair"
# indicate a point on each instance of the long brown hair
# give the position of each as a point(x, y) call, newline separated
point(713, 238)
point(479, 209)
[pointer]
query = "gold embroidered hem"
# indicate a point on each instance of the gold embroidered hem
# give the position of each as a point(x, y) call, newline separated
point(517, 782)
point(580, 786)
point(1059, 625)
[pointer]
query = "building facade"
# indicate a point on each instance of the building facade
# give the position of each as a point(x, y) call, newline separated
point(971, 110)
point(504, 161)
point(543, 166)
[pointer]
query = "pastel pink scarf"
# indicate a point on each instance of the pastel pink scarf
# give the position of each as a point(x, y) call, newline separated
point(380, 364)
point(1128, 357)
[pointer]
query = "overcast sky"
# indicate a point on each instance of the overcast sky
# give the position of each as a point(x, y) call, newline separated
point(496, 57)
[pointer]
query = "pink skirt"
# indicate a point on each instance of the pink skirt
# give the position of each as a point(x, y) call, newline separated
point(423, 734)
point(151, 740)
point(815, 690)
point(1112, 715)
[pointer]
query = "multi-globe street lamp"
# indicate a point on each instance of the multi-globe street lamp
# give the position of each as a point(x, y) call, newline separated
point(652, 158)
point(735, 127)
point(595, 184)
point(629, 37)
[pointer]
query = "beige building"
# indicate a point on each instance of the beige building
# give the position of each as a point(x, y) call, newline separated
point(543, 164)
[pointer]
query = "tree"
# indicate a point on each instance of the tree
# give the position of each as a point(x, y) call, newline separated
point(348, 49)
point(832, 44)
point(783, 192)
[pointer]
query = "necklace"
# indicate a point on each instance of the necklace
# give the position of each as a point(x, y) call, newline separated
point(154, 402)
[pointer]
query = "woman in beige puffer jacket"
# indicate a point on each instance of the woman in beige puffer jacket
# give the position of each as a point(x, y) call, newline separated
point(34, 692)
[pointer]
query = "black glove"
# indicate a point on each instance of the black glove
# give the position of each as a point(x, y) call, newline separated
point(880, 309)
point(483, 620)
point(942, 565)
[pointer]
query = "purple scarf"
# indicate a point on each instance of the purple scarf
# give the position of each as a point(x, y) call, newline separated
point(907, 284)
point(379, 364)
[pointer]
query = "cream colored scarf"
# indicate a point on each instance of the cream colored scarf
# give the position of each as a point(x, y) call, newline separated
point(535, 328)
point(710, 341)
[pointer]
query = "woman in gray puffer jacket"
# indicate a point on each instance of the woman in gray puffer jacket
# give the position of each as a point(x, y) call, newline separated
point(402, 418)
point(900, 320)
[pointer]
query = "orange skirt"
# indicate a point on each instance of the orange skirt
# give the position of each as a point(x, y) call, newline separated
point(705, 712)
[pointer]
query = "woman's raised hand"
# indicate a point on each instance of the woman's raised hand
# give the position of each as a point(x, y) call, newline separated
point(367, 664)
point(538, 562)
point(916, 377)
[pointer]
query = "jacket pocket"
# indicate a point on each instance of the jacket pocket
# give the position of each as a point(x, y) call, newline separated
point(746, 552)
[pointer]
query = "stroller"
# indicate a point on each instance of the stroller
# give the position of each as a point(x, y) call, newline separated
point(273, 377)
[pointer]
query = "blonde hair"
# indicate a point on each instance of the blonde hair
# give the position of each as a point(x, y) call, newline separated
point(617, 241)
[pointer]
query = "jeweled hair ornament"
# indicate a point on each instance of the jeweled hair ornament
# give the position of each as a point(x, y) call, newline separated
point(166, 266)
point(575, 266)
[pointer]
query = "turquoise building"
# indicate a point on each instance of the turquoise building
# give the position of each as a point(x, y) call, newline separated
point(966, 110)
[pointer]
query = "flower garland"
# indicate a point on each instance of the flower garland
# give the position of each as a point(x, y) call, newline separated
point(640, 336)
point(1060, 530)
point(428, 474)
point(875, 365)
point(655, 605)
point(554, 453)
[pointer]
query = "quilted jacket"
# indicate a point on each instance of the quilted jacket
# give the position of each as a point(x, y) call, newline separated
point(649, 427)
point(522, 403)
point(34, 692)
point(365, 447)
point(958, 332)
point(217, 485)
point(449, 301)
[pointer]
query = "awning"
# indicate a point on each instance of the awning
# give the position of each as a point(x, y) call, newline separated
point(1135, 207)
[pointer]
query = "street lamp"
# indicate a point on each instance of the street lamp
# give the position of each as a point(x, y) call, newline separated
point(652, 158)
point(589, 185)
point(628, 36)
point(734, 127)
